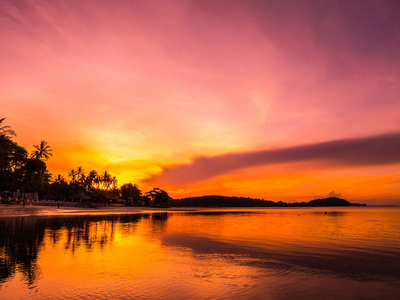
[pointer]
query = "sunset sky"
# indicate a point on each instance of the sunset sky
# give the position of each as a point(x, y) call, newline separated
point(281, 100)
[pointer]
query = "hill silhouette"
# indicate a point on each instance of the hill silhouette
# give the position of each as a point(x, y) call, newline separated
point(224, 201)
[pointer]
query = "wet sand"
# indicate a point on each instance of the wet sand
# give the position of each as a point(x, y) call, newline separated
point(38, 210)
point(12, 210)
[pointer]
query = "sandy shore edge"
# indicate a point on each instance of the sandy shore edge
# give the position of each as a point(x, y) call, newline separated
point(38, 210)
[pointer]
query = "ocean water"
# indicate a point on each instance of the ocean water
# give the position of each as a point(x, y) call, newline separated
point(308, 253)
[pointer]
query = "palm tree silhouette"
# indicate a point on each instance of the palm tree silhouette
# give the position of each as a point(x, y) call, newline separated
point(10, 153)
point(106, 180)
point(72, 174)
point(59, 179)
point(6, 131)
point(97, 180)
point(91, 179)
point(80, 175)
point(42, 151)
point(114, 183)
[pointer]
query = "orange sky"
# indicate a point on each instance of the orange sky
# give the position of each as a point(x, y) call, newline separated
point(142, 88)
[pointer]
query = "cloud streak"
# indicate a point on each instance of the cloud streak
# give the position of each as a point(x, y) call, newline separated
point(366, 151)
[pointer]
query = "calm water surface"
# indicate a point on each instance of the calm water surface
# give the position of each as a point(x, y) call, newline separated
point(319, 253)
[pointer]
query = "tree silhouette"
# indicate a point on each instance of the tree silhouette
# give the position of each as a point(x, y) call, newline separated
point(43, 150)
point(35, 175)
point(90, 180)
point(24, 172)
point(5, 130)
point(72, 175)
point(80, 175)
point(114, 183)
point(158, 197)
point(131, 194)
point(59, 179)
point(106, 180)
point(7, 146)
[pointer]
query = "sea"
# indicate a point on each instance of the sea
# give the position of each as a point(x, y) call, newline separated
point(266, 253)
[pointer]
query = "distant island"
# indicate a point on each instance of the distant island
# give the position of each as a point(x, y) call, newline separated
point(224, 201)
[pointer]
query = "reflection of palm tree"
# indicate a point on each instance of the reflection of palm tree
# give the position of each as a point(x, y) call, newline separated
point(20, 245)
point(42, 151)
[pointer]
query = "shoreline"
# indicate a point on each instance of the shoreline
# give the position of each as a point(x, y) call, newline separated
point(12, 210)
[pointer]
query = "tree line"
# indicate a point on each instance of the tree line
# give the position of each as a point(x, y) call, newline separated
point(24, 173)
point(225, 201)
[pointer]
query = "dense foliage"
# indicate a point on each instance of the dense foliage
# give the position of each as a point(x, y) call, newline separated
point(222, 201)
point(25, 175)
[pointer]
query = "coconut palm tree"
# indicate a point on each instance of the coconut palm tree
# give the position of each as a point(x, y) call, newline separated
point(5, 143)
point(106, 180)
point(12, 158)
point(114, 183)
point(80, 175)
point(6, 131)
point(59, 187)
point(35, 175)
point(42, 151)
point(91, 179)
point(59, 179)
point(72, 175)
point(97, 181)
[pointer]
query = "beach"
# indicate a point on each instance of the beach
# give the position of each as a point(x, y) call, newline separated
point(12, 210)
point(46, 210)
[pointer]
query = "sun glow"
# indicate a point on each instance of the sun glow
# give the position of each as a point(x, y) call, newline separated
point(134, 87)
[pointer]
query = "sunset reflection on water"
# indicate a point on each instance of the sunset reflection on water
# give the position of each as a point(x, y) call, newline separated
point(253, 253)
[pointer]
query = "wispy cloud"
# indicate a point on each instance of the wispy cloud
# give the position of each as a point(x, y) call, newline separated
point(366, 151)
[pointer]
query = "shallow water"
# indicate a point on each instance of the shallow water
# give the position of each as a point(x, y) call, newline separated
point(318, 253)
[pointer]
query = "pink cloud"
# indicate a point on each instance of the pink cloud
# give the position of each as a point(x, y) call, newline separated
point(374, 150)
